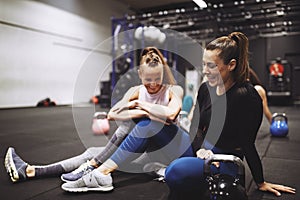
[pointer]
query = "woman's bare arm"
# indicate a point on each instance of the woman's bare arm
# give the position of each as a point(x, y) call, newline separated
point(169, 112)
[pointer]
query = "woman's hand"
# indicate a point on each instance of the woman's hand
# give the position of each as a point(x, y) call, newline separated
point(275, 188)
point(129, 105)
point(204, 154)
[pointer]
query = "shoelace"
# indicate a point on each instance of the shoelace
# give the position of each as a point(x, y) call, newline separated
point(83, 168)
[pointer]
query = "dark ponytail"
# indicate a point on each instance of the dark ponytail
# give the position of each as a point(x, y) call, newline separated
point(242, 71)
point(233, 46)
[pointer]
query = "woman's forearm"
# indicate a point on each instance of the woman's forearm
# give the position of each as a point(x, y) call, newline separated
point(160, 111)
point(127, 114)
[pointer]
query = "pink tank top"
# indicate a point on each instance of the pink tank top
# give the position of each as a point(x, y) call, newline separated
point(162, 97)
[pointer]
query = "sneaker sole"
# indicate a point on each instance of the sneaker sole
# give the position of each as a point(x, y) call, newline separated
point(86, 189)
point(64, 180)
point(10, 166)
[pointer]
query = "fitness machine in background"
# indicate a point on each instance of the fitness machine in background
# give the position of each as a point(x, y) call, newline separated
point(280, 78)
point(120, 77)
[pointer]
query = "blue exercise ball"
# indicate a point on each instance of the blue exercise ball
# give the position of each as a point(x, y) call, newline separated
point(279, 126)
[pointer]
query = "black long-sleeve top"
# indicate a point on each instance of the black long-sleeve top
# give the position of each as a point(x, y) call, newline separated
point(230, 122)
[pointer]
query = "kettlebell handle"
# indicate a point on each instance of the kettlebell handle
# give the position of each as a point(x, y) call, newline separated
point(100, 115)
point(224, 158)
point(279, 115)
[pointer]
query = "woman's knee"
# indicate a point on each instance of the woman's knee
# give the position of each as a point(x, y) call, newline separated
point(185, 173)
point(176, 171)
point(147, 123)
point(143, 122)
point(146, 128)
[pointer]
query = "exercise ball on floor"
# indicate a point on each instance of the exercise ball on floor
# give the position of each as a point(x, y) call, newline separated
point(279, 126)
point(100, 123)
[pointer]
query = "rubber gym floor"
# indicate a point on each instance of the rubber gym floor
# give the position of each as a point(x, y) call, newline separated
point(46, 135)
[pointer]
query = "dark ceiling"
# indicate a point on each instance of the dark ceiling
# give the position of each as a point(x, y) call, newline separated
point(139, 4)
point(256, 18)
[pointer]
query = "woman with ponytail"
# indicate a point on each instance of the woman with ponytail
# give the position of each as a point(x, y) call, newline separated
point(230, 113)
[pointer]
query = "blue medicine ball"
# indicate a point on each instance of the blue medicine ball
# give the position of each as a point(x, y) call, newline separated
point(279, 126)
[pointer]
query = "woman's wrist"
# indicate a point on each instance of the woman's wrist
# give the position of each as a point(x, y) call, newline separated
point(260, 184)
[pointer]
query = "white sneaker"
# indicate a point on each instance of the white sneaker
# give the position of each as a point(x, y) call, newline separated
point(92, 181)
point(15, 166)
point(156, 169)
point(77, 173)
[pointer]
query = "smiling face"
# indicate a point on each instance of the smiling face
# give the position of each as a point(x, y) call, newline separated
point(151, 77)
point(151, 71)
point(216, 72)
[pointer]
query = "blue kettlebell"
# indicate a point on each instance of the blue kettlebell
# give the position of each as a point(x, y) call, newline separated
point(279, 126)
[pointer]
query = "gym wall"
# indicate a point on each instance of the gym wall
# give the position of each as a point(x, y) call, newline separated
point(47, 44)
